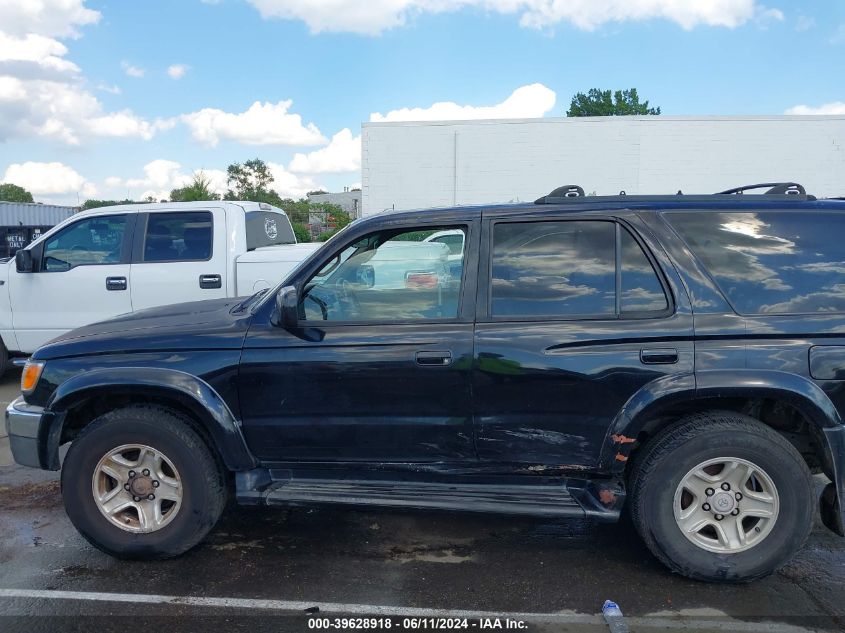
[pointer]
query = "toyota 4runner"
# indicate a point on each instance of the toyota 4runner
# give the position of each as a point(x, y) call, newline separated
point(681, 357)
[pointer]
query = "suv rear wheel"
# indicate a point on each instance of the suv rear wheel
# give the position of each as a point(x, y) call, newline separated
point(139, 482)
point(721, 496)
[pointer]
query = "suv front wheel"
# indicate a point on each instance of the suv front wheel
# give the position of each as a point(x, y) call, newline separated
point(721, 496)
point(140, 483)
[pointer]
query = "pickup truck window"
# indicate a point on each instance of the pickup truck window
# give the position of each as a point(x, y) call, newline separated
point(386, 277)
point(97, 240)
point(265, 228)
point(178, 237)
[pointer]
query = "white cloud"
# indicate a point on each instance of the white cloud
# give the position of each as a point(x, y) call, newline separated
point(289, 185)
point(161, 176)
point(131, 70)
point(48, 179)
point(342, 154)
point(804, 23)
point(51, 18)
point(110, 88)
point(177, 71)
point(261, 124)
point(836, 107)
point(375, 16)
point(42, 93)
point(527, 102)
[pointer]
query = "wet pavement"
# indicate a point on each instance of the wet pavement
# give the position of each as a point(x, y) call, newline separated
point(281, 562)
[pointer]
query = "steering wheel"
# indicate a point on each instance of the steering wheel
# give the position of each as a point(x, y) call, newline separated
point(347, 297)
point(324, 308)
point(78, 247)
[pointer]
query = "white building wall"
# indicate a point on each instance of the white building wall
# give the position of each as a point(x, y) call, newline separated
point(435, 164)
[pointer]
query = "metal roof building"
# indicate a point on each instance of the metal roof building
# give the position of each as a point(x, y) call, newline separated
point(408, 165)
point(33, 214)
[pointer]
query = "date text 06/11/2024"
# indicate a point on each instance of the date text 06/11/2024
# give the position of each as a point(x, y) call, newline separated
point(431, 624)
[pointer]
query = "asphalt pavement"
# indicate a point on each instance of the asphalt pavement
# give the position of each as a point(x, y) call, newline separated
point(296, 570)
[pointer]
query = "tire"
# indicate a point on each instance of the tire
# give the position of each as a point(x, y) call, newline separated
point(721, 438)
point(186, 459)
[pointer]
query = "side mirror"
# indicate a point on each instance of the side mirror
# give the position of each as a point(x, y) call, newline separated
point(23, 260)
point(286, 314)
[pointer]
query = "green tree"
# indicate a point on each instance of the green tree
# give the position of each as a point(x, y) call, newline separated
point(14, 193)
point(250, 181)
point(199, 189)
point(602, 103)
point(96, 204)
point(301, 231)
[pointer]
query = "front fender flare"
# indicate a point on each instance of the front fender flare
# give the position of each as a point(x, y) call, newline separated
point(188, 390)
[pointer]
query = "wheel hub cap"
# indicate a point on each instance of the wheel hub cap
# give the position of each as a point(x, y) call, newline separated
point(137, 488)
point(726, 505)
point(724, 502)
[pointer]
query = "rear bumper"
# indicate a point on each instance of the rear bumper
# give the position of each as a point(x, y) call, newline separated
point(23, 424)
point(833, 497)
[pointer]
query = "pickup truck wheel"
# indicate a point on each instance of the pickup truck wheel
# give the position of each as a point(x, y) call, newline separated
point(722, 497)
point(139, 482)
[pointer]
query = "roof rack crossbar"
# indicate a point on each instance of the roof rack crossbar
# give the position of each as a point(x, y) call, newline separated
point(774, 188)
point(572, 193)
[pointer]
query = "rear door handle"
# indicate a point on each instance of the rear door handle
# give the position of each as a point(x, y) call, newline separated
point(210, 282)
point(434, 359)
point(659, 356)
point(116, 283)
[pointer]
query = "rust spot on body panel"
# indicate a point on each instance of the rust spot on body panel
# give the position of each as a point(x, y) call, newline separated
point(622, 439)
point(607, 497)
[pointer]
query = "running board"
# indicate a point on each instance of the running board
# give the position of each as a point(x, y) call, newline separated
point(562, 499)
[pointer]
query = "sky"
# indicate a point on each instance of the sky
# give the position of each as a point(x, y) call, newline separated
point(114, 99)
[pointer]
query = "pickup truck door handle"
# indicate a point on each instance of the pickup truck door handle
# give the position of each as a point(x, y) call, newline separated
point(210, 282)
point(434, 359)
point(659, 356)
point(116, 283)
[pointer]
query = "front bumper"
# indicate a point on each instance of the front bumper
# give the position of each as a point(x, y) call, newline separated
point(23, 424)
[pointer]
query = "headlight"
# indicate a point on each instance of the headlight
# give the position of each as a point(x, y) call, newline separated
point(31, 373)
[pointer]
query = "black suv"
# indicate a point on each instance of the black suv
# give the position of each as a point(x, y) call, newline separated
point(683, 356)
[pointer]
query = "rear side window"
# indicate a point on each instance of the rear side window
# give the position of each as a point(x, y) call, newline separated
point(178, 237)
point(641, 288)
point(570, 270)
point(771, 262)
point(265, 228)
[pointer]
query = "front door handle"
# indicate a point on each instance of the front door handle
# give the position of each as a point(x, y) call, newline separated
point(659, 356)
point(210, 282)
point(116, 283)
point(434, 359)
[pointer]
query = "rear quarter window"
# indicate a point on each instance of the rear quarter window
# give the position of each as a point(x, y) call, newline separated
point(771, 262)
point(265, 228)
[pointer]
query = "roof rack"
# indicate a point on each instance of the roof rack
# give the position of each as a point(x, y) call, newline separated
point(774, 189)
point(571, 193)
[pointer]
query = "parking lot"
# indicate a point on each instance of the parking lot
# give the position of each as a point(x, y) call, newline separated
point(291, 563)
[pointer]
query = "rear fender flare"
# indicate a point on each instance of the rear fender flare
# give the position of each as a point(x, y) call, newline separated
point(798, 391)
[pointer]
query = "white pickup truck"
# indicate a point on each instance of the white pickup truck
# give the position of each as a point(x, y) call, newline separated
point(113, 260)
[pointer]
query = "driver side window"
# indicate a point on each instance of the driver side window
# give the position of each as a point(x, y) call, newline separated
point(97, 240)
point(388, 276)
